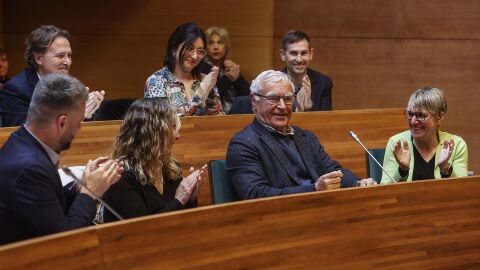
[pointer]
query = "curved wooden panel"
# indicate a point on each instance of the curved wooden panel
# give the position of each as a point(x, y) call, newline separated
point(77, 249)
point(418, 225)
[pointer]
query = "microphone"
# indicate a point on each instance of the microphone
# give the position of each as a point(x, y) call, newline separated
point(69, 172)
point(355, 138)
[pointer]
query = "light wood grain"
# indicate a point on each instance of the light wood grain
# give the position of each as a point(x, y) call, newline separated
point(417, 225)
point(70, 250)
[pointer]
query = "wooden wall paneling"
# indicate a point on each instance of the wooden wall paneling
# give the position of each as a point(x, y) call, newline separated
point(375, 69)
point(253, 54)
point(442, 20)
point(424, 19)
point(145, 17)
point(131, 60)
point(117, 46)
point(331, 18)
point(126, 75)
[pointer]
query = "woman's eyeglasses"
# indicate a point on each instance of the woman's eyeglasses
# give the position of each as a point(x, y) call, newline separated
point(201, 52)
point(418, 115)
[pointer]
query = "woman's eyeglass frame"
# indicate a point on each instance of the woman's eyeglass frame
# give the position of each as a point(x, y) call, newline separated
point(420, 116)
point(201, 52)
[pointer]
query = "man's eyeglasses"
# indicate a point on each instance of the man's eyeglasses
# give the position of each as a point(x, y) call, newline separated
point(274, 100)
point(201, 52)
point(418, 115)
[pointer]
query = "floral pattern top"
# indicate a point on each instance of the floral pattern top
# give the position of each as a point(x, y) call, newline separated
point(163, 84)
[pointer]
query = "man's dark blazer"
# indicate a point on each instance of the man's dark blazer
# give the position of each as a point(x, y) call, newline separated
point(15, 97)
point(258, 167)
point(32, 200)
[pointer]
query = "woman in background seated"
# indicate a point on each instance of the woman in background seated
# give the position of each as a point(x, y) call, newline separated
point(152, 181)
point(230, 82)
point(3, 68)
point(180, 80)
point(424, 151)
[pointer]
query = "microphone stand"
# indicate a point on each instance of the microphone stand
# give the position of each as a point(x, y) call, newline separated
point(355, 138)
point(69, 172)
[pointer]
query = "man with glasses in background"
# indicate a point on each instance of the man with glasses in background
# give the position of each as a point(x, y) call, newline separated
point(270, 157)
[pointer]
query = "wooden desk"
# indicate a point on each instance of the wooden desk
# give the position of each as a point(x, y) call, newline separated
point(207, 138)
point(419, 225)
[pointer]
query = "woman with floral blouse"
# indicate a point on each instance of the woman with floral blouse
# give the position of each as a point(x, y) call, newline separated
point(180, 80)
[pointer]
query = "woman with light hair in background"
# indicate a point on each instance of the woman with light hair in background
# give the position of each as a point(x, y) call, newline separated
point(424, 151)
point(152, 181)
point(230, 81)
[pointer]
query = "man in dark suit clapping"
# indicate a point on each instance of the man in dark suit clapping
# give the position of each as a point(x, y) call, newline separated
point(48, 51)
point(32, 199)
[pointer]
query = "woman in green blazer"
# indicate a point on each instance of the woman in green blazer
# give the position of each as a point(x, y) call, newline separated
point(424, 151)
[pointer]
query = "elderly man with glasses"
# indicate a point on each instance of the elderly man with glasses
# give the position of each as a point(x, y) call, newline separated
point(271, 158)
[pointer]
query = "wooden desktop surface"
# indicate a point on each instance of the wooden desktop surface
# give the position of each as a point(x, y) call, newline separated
point(431, 224)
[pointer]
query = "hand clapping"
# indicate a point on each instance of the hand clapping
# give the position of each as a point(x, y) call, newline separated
point(190, 185)
point(445, 154)
point(402, 154)
point(100, 174)
point(304, 96)
point(208, 83)
point(95, 98)
point(232, 70)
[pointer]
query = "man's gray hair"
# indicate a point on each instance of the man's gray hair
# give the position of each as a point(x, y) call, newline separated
point(54, 94)
point(430, 99)
point(269, 76)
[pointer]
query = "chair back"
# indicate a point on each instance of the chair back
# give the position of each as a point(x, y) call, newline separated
point(220, 187)
point(373, 170)
point(113, 109)
point(241, 105)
